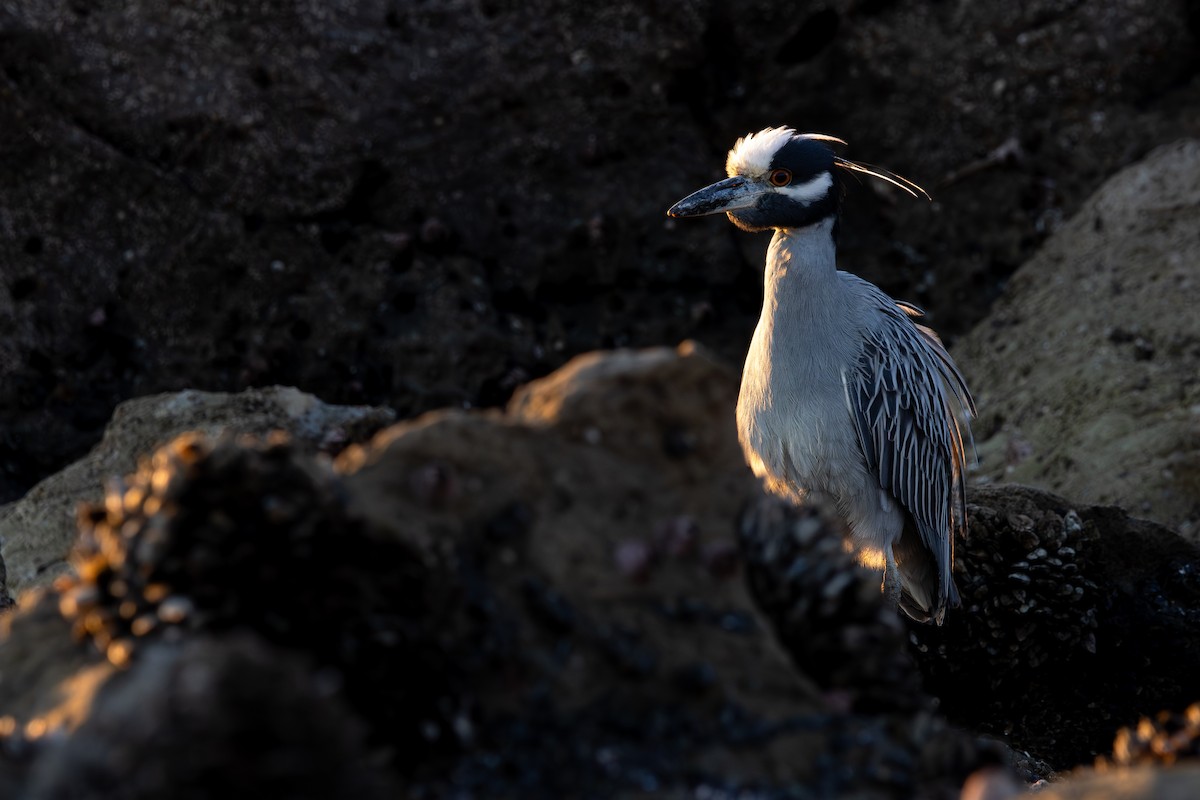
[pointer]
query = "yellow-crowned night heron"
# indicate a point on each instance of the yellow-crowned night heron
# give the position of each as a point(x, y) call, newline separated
point(843, 394)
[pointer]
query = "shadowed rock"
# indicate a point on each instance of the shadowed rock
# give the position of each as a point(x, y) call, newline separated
point(830, 616)
point(458, 579)
point(298, 193)
point(37, 531)
point(457, 588)
point(240, 535)
point(1076, 620)
point(212, 717)
point(827, 609)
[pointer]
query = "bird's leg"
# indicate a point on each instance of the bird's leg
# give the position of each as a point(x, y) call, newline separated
point(891, 582)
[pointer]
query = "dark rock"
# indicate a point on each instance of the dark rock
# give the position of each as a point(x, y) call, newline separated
point(677, 537)
point(827, 610)
point(225, 716)
point(548, 606)
point(669, 685)
point(37, 531)
point(635, 559)
point(236, 184)
point(721, 558)
point(1076, 620)
point(484, 645)
point(209, 538)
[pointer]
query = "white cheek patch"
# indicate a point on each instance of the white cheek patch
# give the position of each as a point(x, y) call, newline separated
point(810, 191)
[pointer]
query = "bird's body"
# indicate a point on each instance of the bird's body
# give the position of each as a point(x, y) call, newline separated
point(843, 395)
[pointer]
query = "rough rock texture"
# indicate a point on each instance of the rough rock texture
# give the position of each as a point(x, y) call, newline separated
point(1076, 620)
point(238, 536)
point(458, 586)
point(1166, 738)
point(209, 718)
point(1139, 783)
point(602, 506)
point(37, 531)
point(523, 603)
point(417, 204)
point(827, 609)
point(47, 676)
point(1087, 372)
point(208, 538)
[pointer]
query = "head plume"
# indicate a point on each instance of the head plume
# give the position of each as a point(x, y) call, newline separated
point(751, 157)
point(884, 175)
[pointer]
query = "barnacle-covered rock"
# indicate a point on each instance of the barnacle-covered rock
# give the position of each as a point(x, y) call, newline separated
point(241, 534)
point(1166, 738)
point(212, 717)
point(38, 531)
point(1024, 597)
point(1075, 620)
point(830, 616)
point(827, 609)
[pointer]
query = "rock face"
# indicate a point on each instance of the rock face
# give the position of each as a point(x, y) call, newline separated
point(458, 587)
point(826, 608)
point(600, 511)
point(419, 205)
point(37, 531)
point(1085, 371)
point(1075, 621)
point(522, 603)
point(212, 717)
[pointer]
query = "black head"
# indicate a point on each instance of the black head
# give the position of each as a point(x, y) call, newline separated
point(779, 179)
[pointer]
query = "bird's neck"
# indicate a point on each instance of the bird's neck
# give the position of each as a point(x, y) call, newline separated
point(803, 318)
point(801, 262)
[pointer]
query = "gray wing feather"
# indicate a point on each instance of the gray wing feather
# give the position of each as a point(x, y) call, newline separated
point(910, 406)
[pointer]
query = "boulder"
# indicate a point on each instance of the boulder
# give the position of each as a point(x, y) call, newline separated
point(1085, 371)
point(207, 718)
point(518, 603)
point(589, 588)
point(37, 531)
point(1076, 620)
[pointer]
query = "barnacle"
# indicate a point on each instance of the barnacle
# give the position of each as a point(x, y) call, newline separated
point(827, 609)
point(1167, 738)
point(245, 534)
point(1025, 598)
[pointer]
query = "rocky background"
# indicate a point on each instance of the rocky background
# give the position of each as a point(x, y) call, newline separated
point(397, 207)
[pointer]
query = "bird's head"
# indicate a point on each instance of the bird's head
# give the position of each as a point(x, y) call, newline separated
point(780, 179)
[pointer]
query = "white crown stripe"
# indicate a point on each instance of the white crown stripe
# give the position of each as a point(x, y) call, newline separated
point(751, 155)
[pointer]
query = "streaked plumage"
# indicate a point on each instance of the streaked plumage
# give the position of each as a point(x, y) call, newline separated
point(843, 393)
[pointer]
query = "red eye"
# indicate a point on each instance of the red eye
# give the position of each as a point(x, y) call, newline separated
point(780, 177)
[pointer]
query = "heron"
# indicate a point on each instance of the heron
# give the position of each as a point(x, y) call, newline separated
point(844, 395)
